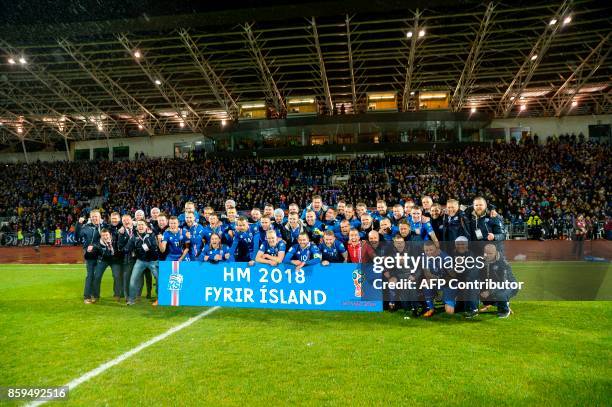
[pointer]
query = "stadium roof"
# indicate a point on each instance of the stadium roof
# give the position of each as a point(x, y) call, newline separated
point(86, 70)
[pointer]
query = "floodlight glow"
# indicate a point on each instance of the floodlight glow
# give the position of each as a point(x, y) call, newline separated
point(553, 21)
point(534, 57)
point(22, 61)
point(11, 61)
point(409, 34)
point(567, 20)
point(523, 108)
point(422, 33)
point(137, 54)
point(473, 110)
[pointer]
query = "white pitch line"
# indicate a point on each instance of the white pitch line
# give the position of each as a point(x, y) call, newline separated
point(105, 366)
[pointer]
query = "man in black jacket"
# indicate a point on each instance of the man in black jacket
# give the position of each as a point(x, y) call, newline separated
point(498, 270)
point(109, 255)
point(89, 233)
point(455, 223)
point(145, 248)
point(484, 225)
point(124, 235)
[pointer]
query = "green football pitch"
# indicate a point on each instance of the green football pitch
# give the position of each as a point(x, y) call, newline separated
point(547, 353)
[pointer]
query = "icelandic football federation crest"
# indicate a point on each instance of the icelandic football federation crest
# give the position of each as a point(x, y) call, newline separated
point(175, 284)
point(357, 281)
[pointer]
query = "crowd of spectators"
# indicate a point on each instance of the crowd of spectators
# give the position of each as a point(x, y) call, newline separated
point(544, 186)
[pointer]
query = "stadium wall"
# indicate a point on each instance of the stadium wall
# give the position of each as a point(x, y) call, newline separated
point(163, 146)
point(549, 126)
point(156, 146)
point(45, 156)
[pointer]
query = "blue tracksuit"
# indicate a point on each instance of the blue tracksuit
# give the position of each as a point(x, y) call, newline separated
point(333, 254)
point(309, 255)
point(242, 247)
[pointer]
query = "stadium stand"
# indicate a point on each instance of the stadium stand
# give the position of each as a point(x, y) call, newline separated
point(539, 189)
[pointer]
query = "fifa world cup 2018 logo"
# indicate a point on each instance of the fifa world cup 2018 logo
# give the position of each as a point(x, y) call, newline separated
point(358, 280)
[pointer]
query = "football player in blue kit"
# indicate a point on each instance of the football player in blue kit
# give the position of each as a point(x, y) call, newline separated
point(215, 226)
point(397, 214)
point(420, 228)
point(386, 231)
point(350, 215)
point(215, 251)
point(342, 234)
point(259, 233)
point(254, 220)
point(242, 244)
point(435, 269)
point(174, 242)
point(314, 227)
point(303, 253)
point(189, 208)
point(381, 212)
point(272, 250)
point(292, 229)
point(195, 233)
point(332, 250)
point(316, 206)
point(331, 221)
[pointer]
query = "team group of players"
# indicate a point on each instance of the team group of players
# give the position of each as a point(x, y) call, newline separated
point(132, 247)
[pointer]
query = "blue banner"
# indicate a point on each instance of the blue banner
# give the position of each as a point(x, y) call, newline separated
point(339, 287)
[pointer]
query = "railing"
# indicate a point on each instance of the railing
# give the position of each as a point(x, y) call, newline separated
point(341, 149)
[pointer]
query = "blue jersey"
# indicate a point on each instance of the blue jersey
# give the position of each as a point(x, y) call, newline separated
point(333, 254)
point(231, 227)
point(318, 214)
point(293, 234)
point(174, 244)
point(181, 218)
point(259, 235)
point(265, 248)
point(242, 247)
point(309, 255)
point(377, 217)
point(387, 237)
point(219, 230)
point(211, 253)
point(254, 227)
point(195, 240)
point(341, 238)
point(355, 223)
point(420, 229)
point(332, 224)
